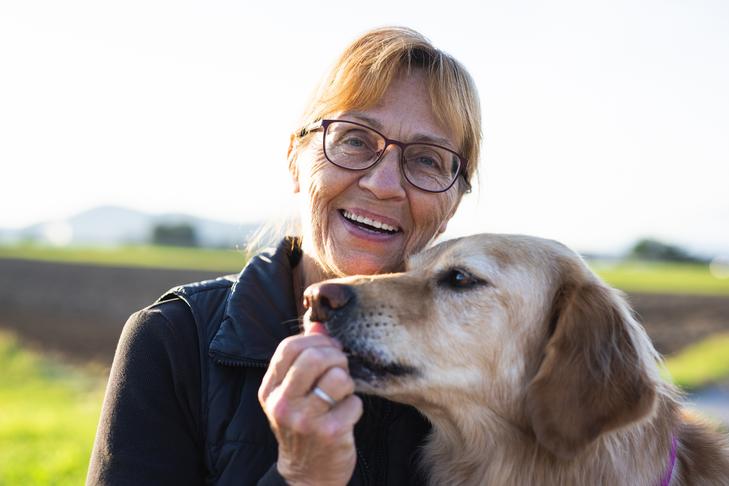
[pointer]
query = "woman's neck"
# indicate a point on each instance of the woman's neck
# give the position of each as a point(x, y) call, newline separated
point(307, 272)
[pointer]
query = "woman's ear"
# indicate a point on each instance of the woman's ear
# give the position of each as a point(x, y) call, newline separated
point(291, 156)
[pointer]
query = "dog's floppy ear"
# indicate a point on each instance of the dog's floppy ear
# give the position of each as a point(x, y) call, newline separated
point(591, 378)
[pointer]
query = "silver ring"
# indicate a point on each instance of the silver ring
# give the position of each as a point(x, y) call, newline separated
point(324, 396)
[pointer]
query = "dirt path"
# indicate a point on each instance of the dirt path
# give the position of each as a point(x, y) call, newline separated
point(674, 321)
point(79, 310)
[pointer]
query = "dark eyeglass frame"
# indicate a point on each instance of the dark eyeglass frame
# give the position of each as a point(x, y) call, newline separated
point(324, 124)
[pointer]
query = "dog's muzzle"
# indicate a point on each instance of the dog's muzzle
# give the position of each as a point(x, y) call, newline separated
point(335, 306)
point(327, 301)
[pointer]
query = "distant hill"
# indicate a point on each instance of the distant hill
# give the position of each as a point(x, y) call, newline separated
point(113, 225)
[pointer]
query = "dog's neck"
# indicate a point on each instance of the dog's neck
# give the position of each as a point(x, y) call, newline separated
point(475, 446)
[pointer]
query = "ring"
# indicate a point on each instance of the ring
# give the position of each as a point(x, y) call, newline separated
point(324, 396)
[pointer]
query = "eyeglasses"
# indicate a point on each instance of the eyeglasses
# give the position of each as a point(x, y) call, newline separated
point(354, 146)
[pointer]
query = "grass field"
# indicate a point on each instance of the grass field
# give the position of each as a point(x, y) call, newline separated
point(48, 416)
point(630, 276)
point(661, 277)
point(49, 410)
point(701, 364)
point(133, 256)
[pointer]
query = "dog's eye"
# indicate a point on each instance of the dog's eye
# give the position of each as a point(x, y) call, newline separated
point(458, 279)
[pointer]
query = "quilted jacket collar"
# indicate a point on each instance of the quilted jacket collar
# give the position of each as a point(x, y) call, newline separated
point(260, 310)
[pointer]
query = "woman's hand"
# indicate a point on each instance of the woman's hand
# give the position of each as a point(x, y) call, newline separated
point(315, 439)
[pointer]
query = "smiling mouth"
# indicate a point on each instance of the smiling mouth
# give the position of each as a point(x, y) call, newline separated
point(369, 224)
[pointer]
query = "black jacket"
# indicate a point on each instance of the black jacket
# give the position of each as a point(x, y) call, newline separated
point(169, 418)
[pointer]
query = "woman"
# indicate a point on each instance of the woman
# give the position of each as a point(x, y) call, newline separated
point(215, 382)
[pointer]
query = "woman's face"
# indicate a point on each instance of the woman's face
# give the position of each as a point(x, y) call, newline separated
point(335, 197)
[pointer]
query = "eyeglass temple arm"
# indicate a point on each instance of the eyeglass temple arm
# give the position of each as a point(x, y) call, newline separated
point(469, 187)
point(312, 127)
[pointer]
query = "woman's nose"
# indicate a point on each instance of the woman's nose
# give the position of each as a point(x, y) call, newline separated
point(385, 179)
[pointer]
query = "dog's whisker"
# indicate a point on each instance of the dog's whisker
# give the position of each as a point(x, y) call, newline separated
point(299, 321)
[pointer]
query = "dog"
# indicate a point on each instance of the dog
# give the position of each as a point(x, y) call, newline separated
point(529, 367)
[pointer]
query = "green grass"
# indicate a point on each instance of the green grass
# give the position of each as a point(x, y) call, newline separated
point(701, 364)
point(660, 277)
point(48, 416)
point(49, 410)
point(133, 256)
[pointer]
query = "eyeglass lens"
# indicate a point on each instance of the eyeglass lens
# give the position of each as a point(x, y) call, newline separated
point(355, 147)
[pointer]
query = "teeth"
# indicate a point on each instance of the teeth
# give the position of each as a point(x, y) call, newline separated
point(368, 221)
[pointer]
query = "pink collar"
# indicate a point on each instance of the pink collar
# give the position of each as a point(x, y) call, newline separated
point(671, 463)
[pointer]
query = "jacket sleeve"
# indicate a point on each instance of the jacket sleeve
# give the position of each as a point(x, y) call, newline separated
point(149, 431)
point(272, 478)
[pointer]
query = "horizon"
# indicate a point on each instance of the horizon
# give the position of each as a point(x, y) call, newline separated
point(59, 233)
point(603, 124)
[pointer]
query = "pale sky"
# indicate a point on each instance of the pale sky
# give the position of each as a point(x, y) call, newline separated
point(603, 121)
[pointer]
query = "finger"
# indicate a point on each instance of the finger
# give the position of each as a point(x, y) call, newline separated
point(314, 327)
point(336, 383)
point(323, 397)
point(308, 367)
point(343, 416)
point(334, 428)
point(286, 352)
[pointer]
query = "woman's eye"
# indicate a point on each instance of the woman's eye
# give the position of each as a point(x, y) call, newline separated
point(424, 160)
point(428, 161)
point(354, 142)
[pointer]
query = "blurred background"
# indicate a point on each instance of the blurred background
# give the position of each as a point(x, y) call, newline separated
point(142, 143)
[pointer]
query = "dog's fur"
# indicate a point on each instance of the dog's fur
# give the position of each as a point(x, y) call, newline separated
point(531, 370)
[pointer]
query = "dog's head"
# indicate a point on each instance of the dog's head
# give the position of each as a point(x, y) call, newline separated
point(517, 326)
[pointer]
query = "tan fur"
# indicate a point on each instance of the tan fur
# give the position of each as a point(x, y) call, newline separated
point(538, 375)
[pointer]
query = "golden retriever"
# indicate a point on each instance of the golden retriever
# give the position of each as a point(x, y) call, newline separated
point(530, 368)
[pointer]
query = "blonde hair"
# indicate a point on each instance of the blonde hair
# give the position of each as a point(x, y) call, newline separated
point(369, 65)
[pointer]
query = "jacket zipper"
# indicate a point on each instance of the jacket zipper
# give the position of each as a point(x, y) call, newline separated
point(364, 470)
point(384, 432)
point(253, 363)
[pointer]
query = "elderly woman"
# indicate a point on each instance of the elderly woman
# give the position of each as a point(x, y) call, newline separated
point(216, 382)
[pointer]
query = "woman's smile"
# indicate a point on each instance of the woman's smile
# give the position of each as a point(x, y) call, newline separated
point(370, 227)
point(371, 222)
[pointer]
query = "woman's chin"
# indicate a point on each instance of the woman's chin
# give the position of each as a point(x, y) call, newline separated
point(366, 267)
point(362, 262)
point(354, 251)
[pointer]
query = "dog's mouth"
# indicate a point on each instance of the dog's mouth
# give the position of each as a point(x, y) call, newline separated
point(367, 364)
point(369, 368)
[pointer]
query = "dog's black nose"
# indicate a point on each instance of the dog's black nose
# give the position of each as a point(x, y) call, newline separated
point(326, 298)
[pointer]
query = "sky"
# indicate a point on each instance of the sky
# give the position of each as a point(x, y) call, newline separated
point(604, 121)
